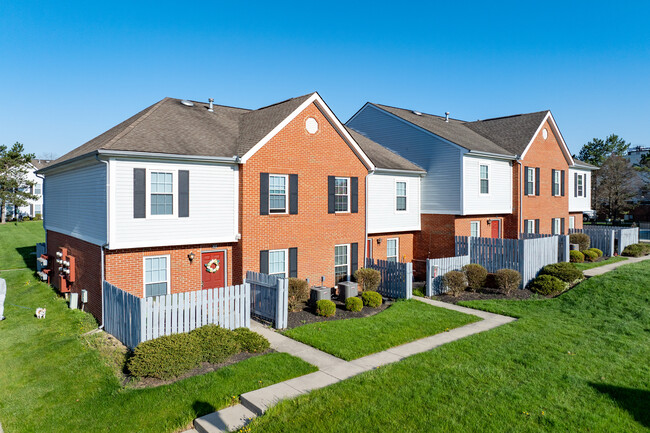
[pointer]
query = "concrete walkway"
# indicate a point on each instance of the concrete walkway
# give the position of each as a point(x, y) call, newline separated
point(606, 268)
point(331, 368)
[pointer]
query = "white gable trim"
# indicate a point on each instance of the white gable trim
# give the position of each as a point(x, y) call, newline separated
point(314, 98)
point(558, 134)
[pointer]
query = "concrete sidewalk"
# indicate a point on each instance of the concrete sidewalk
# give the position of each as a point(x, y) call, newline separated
point(593, 272)
point(331, 368)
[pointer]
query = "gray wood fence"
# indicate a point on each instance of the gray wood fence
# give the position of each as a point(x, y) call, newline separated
point(122, 315)
point(610, 239)
point(436, 268)
point(396, 278)
point(269, 298)
point(627, 237)
point(40, 250)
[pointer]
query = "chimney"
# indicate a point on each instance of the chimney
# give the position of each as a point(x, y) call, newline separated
point(211, 101)
point(447, 116)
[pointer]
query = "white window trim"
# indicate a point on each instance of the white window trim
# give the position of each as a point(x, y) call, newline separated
point(396, 248)
point(286, 194)
point(557, 226)
point(404, 181)
point(348, 194)
point(580, 185)
point(572, 222)
point(286, 262)
point(174, 174)
point(144, 274)
point(532, 190)
point(479, 179)
point(347, 255)
point(478, 230)
point(558, 175)
point(530, 226)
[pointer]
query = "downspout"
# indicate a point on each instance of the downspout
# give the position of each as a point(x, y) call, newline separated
point(365, 240)
point(108, 226)
point(521, 195)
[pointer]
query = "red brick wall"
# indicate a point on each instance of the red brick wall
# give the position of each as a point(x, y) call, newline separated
point(578, 219)
point(88, 268)
point(313, 231)
point(511, 222)
point(464, 228)
point(436, 236)
point(124, 268)
point(405, 245)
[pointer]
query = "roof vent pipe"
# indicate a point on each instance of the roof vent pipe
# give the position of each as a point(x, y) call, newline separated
point(211, 101)
point(447, 116)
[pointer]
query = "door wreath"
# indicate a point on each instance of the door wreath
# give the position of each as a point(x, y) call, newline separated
point(209, 266)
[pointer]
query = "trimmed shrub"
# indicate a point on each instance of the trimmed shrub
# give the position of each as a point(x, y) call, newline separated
point(582, 239)
point(455, 281)
point(250, 341)
point(576, 256)
point(507, 280)
point(371, 299)
point(597, 251)
point(476, 276)
point(354, 304)
point(298, 293)
point(368, 279)
point(214, 343)
point(590, 255)
point(634, 250)
point(547, 285)
point(165, 357)
point(564, 271)
point(38, 217)
point(325, 308)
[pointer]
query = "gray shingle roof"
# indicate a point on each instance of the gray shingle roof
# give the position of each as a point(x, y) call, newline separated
point(583, 164)
point(40, 163)
point(381, 156)
point(513, 133)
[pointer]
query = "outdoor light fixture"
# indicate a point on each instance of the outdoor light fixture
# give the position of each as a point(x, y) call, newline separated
point(190, 256)
point(378, 241)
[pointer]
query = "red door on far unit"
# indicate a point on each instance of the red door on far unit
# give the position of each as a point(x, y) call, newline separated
point(213, 269)
point(495, 228)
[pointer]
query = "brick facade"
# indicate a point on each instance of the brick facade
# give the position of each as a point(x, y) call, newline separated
point(578, 219)
point(405, 245)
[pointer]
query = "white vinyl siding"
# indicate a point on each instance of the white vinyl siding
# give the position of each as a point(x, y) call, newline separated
point(400, 196)
point(382, 214)
point(341, 262)
point(342, 194)
point(156, 276)
point(392, 249)
point(278, 263)
point(498, 200)
point(278, 193)
point(582, 201)
point(475, 229)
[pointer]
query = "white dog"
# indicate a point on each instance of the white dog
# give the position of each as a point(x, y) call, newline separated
point(40, 313)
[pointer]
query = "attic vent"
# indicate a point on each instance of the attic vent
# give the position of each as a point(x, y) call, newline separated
point(187, 103)
point(417, 113)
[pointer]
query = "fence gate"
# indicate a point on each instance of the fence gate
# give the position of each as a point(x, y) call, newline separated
point(436, 268)
point(269, 298)
point(396, 278)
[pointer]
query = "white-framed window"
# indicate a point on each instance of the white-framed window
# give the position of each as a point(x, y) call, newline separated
point(162, 193)
point(530, 226)
point(572, 222)
point(556, 182)
point(485, 179)
point(556, 226)
point(341, 262)
point(37, 189)
point(278, 193)
point(475, 229)
point(400, 196)
point(342, 194)
point(580, 186)
point(156, 275)
point(392, 250)
point(38, 209)
point(278, 263)
point(530, 181)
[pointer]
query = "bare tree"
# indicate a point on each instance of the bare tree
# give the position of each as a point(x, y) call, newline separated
point(15, 188)
point(615, 185)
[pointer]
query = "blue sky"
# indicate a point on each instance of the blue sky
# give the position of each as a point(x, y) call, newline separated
point(71, 70)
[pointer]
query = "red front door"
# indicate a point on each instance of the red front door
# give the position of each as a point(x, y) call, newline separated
point(213, 269)
point(495, 228)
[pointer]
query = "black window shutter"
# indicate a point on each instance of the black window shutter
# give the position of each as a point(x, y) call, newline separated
point(293, 194)
point(536, 180)
point(139, 193)
point(553, 226)
point(264, 194)
point(183, 193)
point(537, 226)
point(562, 175)
point(526, 190)
point(293, 262)
point(552, 182)
point(354, 259)
point(575, 184)
point(354, 194)
point(330, 194)
point(264, 261)
point(562, 226)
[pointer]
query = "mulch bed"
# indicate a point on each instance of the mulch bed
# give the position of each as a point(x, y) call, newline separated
point(485, 294)
point(307, 314)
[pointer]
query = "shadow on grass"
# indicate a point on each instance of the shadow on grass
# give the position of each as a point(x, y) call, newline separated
point(201, 408)
point(28, 255)
point(635, 401)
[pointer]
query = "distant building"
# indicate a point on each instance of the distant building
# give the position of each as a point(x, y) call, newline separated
point(635, 154)
point(33, 207)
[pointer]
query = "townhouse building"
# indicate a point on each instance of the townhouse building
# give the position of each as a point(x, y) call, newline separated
point(34, 206)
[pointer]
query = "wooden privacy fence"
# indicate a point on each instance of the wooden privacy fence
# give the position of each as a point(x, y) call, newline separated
point(610, 239)
point(627, 237)
point(396, 278)
point(269, 298)
point(40, 249)
point(133, 320)
point(436, 268)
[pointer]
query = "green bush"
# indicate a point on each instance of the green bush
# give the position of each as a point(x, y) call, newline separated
point(371, 299)
point(507, 280)
point(636, 250)
point(368, 279)
point(576, 256)
point(325, 308)
point(547, 285)
point(581, 239)
point(298, 293)
point(165, 357)
point(214, 343)
point(250, 341)
point(455, 281)
point(597, 251)
point(565, 271)
point(38, 217)
point(590, 255)
point(476, 276)
point(354, 304)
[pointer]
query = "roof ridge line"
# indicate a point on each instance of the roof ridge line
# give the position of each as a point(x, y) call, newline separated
point(130, 128)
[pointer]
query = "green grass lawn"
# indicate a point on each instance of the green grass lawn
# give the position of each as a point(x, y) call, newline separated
point(52, 380)
point(575, 363)
point(588, 265)
point(402, 322)
point(17, 242)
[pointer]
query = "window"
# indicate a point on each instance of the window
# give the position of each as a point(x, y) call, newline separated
point(392, 250)
point(400, 196)
point(572, 222)
point(277, 193)
point(530, 226)
point(530, 181)
point(342, 194)
point(556, 182)
point(556, 226)
point(485, 181)
point(278, 263)
point(341, 262)
point(475, 229)
point(37, 189)
point(38, 210)
point(162, 197)
point(156, 275)
point(580, 185)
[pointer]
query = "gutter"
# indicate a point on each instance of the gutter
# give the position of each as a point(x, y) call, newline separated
point(397, 171)
point(365, 240)
point(108, 228)
point(521, 195)
point(492, 155)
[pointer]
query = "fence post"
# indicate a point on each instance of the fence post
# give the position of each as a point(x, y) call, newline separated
point(428, 289)
point(612, 243)
point(282, 300)
point(522, 260)
point(409, 280)
point(565, 248)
